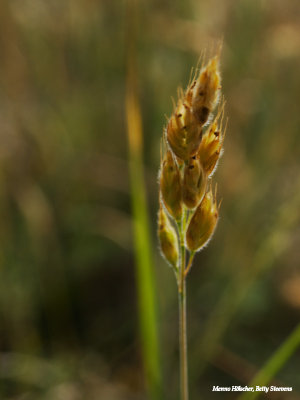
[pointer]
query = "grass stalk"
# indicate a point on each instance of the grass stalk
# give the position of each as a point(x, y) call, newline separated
point(182, 315)
point(186, 195)
point(183, 343)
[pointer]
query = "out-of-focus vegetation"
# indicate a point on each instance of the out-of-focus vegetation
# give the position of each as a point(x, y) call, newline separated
point(68, 305)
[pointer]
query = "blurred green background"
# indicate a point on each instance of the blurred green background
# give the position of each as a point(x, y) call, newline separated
point(68, 305)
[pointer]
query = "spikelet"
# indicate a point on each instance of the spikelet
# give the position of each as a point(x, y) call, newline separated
point(194, 183)
point(183, 132)
point(204, 92)
point(167, 238)
point(211, 145)
point(170, 185)
point(203, 223)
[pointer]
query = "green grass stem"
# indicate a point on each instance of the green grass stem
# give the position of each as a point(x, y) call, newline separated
point(184, 389)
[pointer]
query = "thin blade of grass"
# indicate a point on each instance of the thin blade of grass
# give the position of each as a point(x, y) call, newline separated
point(143, 253)
point(143, 247)
point(274, 364)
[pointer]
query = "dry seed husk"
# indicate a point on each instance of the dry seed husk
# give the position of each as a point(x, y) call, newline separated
point(194, 183)
point(167, 238)
point(170, 185)
point(203, 223)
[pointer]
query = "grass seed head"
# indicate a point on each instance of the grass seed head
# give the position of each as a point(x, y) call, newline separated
point(193, 150)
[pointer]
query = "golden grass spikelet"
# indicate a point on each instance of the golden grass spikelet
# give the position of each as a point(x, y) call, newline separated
point(204, 92)
point(194, 183)
point(170, 185)
point(167, 238)
point(203, 223)
point(183, 132)
point(211, 146)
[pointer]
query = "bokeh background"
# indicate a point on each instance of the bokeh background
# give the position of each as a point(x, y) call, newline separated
point(69, 315)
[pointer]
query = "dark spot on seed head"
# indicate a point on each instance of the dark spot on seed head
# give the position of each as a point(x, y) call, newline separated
point(202, 114)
